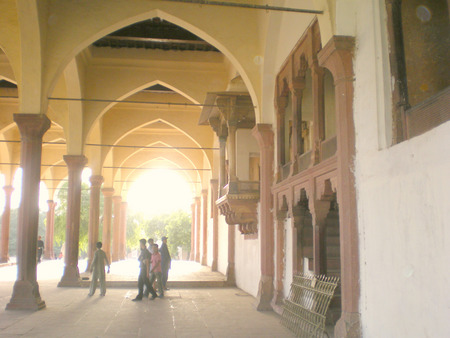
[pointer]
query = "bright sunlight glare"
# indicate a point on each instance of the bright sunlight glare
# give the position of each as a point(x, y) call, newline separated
point(159, 191)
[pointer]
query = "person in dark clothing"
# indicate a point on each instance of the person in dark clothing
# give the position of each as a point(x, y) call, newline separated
point(166, 261)
point(40, 248)
point(144, 264)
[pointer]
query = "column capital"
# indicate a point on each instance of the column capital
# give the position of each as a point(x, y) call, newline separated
point(117, 198)
point(32, 126)
point(8, 190)
point(337, 56)
point(51, 203)
point(204, 192)
point(75, 161)
point(96, 180)
point(108, 192)
point(124, 204)
point(264, 134)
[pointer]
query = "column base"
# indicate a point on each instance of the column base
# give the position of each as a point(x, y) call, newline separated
point(71, 277)
point(348, 326)
point(265, 294)
point(25, 297)
point(214, 266)
point(231, 277)
point(277, 302)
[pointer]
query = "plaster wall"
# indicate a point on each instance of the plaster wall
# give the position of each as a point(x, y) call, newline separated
point(248, 263)
point(288, 256)
point(223, 245)
point(403, 212)
point(246, 144)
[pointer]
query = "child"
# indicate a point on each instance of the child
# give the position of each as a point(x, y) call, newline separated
point(98, 266)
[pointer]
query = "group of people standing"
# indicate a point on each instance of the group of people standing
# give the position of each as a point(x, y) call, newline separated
point(154, 264)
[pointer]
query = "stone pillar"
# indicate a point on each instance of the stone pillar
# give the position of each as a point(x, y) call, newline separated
point(318, 126)
point(26, 289)
point(337, 56)
point(319, 212)
point(197, 228)
point(278, 297)
point(75, 165)
point(264, 135)
point(204, 203)
point(107, 218)
point(123, 231)
point(117, 200)
point(215, 217)
point(192, 253)
point(222, 171)
point(94, 216)
point(4, 245)
point(232, 128)
point(50, 230)
point(231, 276)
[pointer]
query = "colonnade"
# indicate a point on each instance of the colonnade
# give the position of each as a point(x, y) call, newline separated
point(26, 294)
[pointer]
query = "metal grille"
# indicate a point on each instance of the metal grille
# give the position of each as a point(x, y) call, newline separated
point(304, 311)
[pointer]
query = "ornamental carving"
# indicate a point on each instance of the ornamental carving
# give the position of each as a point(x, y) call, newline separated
point(239, 206)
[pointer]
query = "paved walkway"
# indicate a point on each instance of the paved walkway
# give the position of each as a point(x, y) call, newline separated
point(206, 312)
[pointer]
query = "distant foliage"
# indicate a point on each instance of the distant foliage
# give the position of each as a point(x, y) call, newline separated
point(176, 226)
point(60, 219)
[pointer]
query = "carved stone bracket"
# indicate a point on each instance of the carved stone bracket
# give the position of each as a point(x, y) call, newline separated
point(240, 209)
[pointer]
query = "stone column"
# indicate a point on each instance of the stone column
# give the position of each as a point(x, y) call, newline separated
point(215, 217)
point(94, 216)
point(337, 56)
point(107, 218)
point(123, 231)
point(319, 212)
point(49, 230)
point(222, 172)
point(204, 203)
point(264, 135)
point(318, 126)
point(4, 245)
point(75, 165)
point(197, 228)
point(117, 200)
point(192, 253)
point(279, 293)
point(26, 289)
point(232, 128)
point(231, 276)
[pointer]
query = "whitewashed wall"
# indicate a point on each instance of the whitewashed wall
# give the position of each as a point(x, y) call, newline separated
point(403, 204)
point(223, 245)
point(248, 263)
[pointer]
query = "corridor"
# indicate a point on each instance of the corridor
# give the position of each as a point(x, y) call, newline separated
point(184, 312)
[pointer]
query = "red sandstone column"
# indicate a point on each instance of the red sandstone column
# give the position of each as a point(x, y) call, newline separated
point(279, 293)
point(264, 135)
point(49, 231)
point(197, 228)
point(107, 217)
point(192, 253)
point(75, 165)
point(94, 216)
point(215, 217)
point(205, 227)
point(117, 200)
point(337, 57)
point(4, 256)
point(123, 231)
point(26, 289)
point(319, 213)
point(231, 276)
point(222, 172)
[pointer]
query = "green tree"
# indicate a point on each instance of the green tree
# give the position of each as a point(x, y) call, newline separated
point(176, 226)
point(60, 219)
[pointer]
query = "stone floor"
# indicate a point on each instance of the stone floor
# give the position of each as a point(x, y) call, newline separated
point(205, 312)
